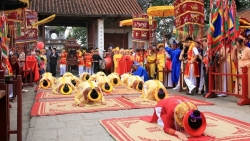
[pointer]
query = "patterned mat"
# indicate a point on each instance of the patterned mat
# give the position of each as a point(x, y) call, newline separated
point(219, 128)
point(47, 93)
point(45, 108)
point(139, 102)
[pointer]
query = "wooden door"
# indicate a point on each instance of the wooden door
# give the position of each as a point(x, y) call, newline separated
point(116, 40)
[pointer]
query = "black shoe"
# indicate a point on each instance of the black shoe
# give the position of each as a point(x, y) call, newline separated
point(193, 91)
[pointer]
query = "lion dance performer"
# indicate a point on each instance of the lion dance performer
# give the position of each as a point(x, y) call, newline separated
point(63, 62)
point(84, 76)
point(177, 115)
point(191, 69)
point(89, 94)
point(74, 80)
point(104, 83)
point(47, 81)
point(64, 86)
point(160, 61)
point(135, 82)
point(114, 78)
point(154, 90)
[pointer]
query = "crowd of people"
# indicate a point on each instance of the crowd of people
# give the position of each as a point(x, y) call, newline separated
point(190, 58)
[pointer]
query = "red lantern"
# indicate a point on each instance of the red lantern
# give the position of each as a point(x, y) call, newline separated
point(40, 45)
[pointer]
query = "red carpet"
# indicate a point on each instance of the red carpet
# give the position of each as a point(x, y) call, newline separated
point(219, 128)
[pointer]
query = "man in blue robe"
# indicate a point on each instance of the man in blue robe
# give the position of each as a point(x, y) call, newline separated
point(174, 52)
point(248, 37)
point(140, 71)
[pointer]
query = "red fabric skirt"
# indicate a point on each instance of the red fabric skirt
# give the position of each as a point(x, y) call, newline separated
point(196, 69)
point(168, 65)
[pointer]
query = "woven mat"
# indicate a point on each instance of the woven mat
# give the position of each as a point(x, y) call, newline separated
point(46, 108)
point(150, 104)
point(47, 93)
point(219, 128)
point(123, 90)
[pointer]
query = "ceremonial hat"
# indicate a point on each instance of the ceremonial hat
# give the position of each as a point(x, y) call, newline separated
point(247, 32)
point(174, 42)
point(136, 64)
point(186, 115)
point(160, 45)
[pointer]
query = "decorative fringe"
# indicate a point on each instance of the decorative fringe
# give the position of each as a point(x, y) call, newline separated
point(196, 30)
point(191, 30)
point(18, 29)
point(177, 34)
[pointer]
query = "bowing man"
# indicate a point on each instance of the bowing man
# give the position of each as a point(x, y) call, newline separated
point(140, 71)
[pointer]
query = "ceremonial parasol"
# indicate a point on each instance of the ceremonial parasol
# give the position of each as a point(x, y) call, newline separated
point(126, 23)
point(123, 23)
point(244, 23)
point(44, 21)
point(161, 11)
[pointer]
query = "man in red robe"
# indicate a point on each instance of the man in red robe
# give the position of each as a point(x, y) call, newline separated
point(178, 116)
point(125, 63)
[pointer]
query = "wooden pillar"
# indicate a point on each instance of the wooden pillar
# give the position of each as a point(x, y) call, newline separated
point(43, 34)
point(100, 36)
point(4, 107)
point(91, 33)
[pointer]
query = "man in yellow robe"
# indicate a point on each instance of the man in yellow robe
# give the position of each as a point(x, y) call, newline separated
point(116, 58)
point(151, 60)
point(160, 61)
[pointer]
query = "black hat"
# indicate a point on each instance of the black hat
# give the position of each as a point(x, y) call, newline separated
point(189, 39)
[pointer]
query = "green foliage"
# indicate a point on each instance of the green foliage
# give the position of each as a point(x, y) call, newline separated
point(242, 4)
point(164, 25)
point(61, 28)
point(79, 33)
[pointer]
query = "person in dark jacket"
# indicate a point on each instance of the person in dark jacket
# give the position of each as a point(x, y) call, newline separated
point(96, 58)
point(53, 62)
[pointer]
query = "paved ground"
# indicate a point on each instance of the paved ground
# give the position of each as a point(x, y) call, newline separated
point(85, 126)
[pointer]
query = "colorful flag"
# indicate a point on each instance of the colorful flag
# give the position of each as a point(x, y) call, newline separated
point(216, 25)
point(226, 21)
point(234, 21)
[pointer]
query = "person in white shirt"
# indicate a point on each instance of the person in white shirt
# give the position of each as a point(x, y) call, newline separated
point(191, 69)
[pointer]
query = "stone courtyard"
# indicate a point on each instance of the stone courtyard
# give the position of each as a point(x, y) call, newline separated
point(85, 126)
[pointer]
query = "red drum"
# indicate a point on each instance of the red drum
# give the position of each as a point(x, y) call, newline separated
point(106, 63)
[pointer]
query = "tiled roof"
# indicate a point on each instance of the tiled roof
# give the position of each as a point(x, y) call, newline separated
point(244, 14)
point(85, 8)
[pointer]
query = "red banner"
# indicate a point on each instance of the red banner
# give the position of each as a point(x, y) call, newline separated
point(142, 24)
point(189, 12)
point(28, 35)
point(139, 35)
point(16, 16)
point(189, 18)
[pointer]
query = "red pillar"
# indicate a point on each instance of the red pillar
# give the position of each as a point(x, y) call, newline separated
point(210, 94)
point(244, 100)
